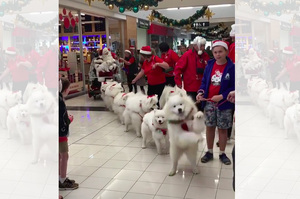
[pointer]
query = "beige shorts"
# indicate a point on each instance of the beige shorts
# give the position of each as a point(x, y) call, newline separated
point(63, 147)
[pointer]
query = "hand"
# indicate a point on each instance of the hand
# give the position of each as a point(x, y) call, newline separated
point(179, 86)
point(71, 118)
point(217, 98)
point(133, 81)
point(199, 97)
point(231, 97)
point(154, 65)
point(121, 59)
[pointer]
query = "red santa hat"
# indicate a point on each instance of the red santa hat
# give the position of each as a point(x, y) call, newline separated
point(288, 50)
point(127, 51)
point(131, 47)
point(220, 43)
point(10, 51)
point(146, 50)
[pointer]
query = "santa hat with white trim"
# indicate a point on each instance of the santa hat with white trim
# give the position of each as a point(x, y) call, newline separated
point(10, 51)
point(288, 50)
point(232, 32)
point(220, 43)
point(146, 50)
point(127, 51)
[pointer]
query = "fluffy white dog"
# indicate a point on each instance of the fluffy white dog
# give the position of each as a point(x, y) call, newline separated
point(119, 104)
point(41, 106)
point(167, 92)
point(8, 100)
point(279, 102)
point(155, 125)
point(104, 85)
point(108, 63)
point(30, 88)
point(263, 99)
point(178, 110)
point(18, 123)
point(136, 107)
point(292, 121)
point(110, 93)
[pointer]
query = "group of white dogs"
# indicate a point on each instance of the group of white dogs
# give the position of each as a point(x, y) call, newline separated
point(175, 129)
point(31, 117)
point(279, 105)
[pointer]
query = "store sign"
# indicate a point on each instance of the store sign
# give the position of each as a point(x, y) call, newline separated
point(8, 26)
point(200, 24)
point(285, 26)
point(143, 24)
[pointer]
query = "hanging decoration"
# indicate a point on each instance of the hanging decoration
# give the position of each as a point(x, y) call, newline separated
point(68, 18)
point(132, 5)
point(270, 8)
point(11, 6)
point(38, 26)
point(296, 19)
point(187, 23)
point(213, 34)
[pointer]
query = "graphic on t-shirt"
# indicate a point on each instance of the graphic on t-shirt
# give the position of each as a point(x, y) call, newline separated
point(216, 78)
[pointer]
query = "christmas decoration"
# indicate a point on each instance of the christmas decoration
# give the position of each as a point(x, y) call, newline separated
point(11, 6)
point(181, 23)
point(68, 19)
point(208, 14)
point(132, 5)
point(273, 8)
point(214, 32)
point(51, 23)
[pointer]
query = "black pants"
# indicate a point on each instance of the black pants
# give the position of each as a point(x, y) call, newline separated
point(156, 90)
point(294, 86)
point(193, 95)
point(130, 77)
point(170, 81)
point(19, 86)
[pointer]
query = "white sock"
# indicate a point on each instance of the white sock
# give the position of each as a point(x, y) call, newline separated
point(210, 150)
point(62, 179)
point(221, 152)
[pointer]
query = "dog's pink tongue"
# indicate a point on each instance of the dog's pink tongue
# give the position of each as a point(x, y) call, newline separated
point(184, 127)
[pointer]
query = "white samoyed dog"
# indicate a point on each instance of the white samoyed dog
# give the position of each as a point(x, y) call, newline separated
point(110, 93)
point(155, 125)
point(108, 63)
point(167, 92)
point(18, 123)
point(178, 110)
point(41, 106)
point(279, 102)
point(263, 99)
point(119, 104)
point(136, 107)
point(8, 99)
point(104, 85)
point(292, 121)
point(30, 88)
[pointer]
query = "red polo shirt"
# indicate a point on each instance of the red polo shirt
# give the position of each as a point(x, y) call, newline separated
point(155, 76)
point(18, 74)
point(171, 58)
point(293, 70)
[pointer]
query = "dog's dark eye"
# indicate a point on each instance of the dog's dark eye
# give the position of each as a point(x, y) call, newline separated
point(180, 104)
point(174, 106)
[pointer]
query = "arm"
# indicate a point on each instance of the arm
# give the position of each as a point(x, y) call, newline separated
point(201, 90)
point(163, 65)
point(281, 74)
point(4, 74)
point(179, 69)
point(139, 76)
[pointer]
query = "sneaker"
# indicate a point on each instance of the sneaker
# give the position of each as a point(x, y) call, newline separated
point(68, 185)
point(207, 157)
point(224, 159)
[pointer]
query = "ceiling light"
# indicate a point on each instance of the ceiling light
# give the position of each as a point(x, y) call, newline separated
point(172, 9)
point(186, 8)
point(220, 6)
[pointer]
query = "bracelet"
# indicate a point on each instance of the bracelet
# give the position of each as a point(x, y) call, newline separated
point(200, 91)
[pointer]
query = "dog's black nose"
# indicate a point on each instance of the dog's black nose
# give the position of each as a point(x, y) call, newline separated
point(180, 110)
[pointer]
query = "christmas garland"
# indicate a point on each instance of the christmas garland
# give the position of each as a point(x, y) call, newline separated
point(37, 25)
point(12, 6)
point(272, 8)
point(183, 22)
point(213, 34)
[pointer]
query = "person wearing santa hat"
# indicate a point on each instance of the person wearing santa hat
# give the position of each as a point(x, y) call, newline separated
point(217, 82)
point(153, 68)
point(18, 68)
point(169, 56)
point(292, 68)
point(191, 66)
point(231, 53)
point(130, 68)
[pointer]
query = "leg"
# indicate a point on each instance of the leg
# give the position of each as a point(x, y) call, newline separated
point(127, 120)
point(63, 164)
point(137, 125)
point(192, 157)
point(233, 159)
point(158, 145)
point(175, 154)
point(210, 136)
point(222, 138)
point(142, 89)
point(135, 88)
point(36, 145)
point(145, 131)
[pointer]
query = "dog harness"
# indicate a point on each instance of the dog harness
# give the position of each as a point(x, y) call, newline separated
point(184, 125)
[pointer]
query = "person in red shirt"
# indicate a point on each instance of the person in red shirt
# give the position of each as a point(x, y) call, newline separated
point(130, 68)
point(231, 53)
point(33, 57)
point(171, 58)
point(292, 68)
point(18, 68)
point(191, 66)
point(153, 68)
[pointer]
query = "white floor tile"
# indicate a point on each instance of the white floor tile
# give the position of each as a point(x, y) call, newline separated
point(137, 166)
point(128, 175)
point(106, 172)
point(172, 190)
point(83, 171)
point(138, 196)
point(254, 183)
point(296, 189)
point(95, 182)
point(158, 167)
point(205, 182)
point(264, 195)
point(225, 194)
point(145, 188)
point(280, 186)
point(117, 164)
point(81, 193)
point(178, 179)
point(155, 177)
point(119, 185)
point(195, 192)
point(106, 194)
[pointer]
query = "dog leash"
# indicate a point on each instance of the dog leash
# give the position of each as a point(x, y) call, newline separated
point(216, 104)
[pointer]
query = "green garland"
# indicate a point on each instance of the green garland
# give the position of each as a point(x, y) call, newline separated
point(179, 23)
point(213, 34)
point(7, 6)
point(37, 25)
point(272, 8)
point(133, 5)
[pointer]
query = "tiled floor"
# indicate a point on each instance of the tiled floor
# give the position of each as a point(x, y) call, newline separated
point(267, 164)
point(110, 164)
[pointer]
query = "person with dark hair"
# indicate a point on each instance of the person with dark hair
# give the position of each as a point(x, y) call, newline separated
point(182, 50)
point(153, 68)
point(64, 122)
point(171, 58)
point(130, 69)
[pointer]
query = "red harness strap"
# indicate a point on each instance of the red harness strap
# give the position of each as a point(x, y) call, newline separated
point(164, 131)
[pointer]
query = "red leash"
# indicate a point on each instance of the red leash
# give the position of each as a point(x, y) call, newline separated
point(216, 103)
